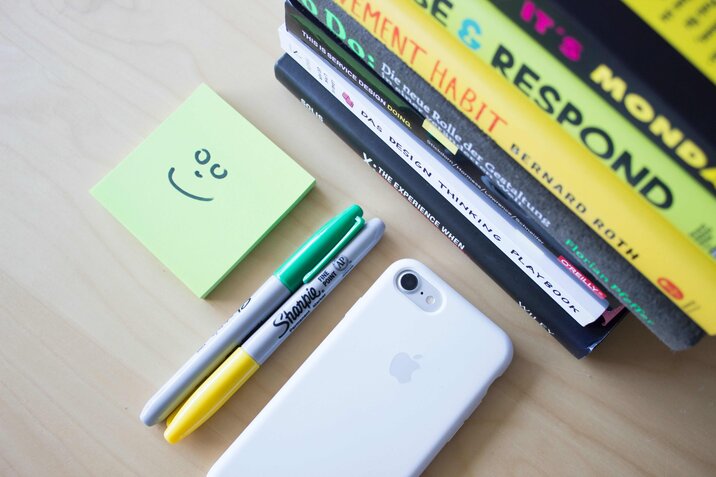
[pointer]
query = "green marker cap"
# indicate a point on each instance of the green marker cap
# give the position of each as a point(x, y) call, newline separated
point(317, 251)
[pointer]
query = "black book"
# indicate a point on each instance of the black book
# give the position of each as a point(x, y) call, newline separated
point(579, 340)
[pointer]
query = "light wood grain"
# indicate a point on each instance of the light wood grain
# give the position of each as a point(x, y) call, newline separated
point(92, 324)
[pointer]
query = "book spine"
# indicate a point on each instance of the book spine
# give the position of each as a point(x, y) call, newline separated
point(578, 340)
point(599, 198)
point(325, 46)
point(486, 216)
point(622, 62)
point(587, 117)
point(687, 26)
point(582, 246)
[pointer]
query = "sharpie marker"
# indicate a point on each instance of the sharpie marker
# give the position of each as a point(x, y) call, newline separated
point(300, 268)
point(245, 361)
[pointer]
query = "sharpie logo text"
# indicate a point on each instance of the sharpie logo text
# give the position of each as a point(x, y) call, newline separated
point(298, 311)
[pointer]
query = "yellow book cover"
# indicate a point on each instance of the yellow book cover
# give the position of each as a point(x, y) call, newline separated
point(543, 148)
point(688, 26)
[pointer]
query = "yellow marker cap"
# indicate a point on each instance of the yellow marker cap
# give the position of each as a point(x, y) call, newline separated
point(211, 395)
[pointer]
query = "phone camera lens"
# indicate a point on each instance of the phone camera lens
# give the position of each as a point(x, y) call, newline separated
point(408, 281)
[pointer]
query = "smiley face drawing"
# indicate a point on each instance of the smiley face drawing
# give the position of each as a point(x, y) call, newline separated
point(202, 157)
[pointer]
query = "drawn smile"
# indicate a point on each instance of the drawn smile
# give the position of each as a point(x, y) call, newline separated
point(188, 194)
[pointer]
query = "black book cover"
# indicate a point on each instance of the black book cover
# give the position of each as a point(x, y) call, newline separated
point(579, 340)
point(644, 50)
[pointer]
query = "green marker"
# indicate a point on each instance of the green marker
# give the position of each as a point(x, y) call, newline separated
point(300, 268)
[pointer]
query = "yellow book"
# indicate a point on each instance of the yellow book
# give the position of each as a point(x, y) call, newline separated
point(687, 26)
point(567, 169)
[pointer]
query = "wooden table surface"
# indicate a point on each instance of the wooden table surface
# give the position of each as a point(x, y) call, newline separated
point(92, 323)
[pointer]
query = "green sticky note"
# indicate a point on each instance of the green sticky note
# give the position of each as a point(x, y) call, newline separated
point(203, 189)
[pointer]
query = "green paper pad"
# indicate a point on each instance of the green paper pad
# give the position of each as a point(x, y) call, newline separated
point(203, 189)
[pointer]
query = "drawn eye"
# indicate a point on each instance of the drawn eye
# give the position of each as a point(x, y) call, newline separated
point(218, 175)
point(197, 156)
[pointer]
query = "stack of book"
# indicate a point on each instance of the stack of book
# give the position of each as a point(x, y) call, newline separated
point(563, 146)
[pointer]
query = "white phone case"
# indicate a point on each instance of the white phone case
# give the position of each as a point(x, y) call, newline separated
point(382, 394)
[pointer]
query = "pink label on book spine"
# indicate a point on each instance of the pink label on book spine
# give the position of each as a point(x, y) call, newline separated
point(595, 289)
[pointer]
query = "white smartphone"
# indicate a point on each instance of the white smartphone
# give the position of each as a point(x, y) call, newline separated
point(384, 392)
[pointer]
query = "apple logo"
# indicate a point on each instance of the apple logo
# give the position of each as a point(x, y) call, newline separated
point(402, 367)
point(216, 171)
